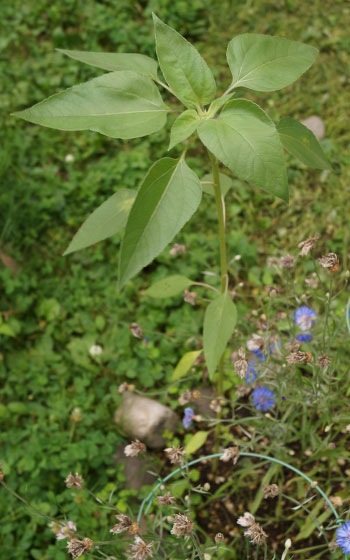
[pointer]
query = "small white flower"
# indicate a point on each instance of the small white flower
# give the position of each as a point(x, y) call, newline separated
point(247, 520)
point(95, 350)
point(69, 158)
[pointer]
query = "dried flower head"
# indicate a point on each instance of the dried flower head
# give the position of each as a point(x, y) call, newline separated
point(134, 448)
point(330, 261)
point(230, 453)
point(255, 343)
point(337, 501)
point(272, 290)
point(242, 390)
point(140, 550)
point(287, 261)
point(166, 500)
point(256, 534)
point(215, 405)
point(241, 365)
point(64, 532)
point(136, 330)
point(312, 282)
point(76, 415)
point(125, 524)
point(246, 520)
point(177, 249)
point(270, 491)
point(185, 397)
point(77, 548)
point(74, 480)
point(175, 455)
point(190, 297)
point(293, 345)
point(125, 387)
point(307, 245)
point(299, 357)
point(323, 360)
point(183, 525)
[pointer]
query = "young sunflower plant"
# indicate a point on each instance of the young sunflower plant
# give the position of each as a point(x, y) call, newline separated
point(126, 103)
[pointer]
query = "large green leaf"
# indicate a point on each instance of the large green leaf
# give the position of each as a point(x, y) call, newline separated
point(185, 364)
point(168, 196)
point(302, 143)
point(183, 127)
point(196, 442)
point(184, 69)
point(245, 139)
point(266, 63)
point(120, 104)
point(219, 322)
point(168, 287)
point(114, 62)
point(105, 221)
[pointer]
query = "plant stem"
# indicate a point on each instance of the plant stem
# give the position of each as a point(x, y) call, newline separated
point(220, 206)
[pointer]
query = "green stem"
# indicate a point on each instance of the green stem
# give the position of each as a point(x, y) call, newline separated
point(220, 207)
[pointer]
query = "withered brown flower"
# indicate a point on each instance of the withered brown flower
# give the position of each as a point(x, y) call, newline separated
point(270, 491)
point(190, 297)
point(175, 455)
point(330, 261)
point(134, 448)
point(307, 245)
point(324, 360)
point(166, 500)
point(136, 330)
point(74, 480)
point(125, 524)
point(183, 525)
point(287, 261)
point(241, 365)
point(77, 548)
point(230, 453)
point(299, 357)
point(140, 550)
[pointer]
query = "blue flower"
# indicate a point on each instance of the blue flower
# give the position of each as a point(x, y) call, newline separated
point(303, 337)
point(263, 398)
point(187, 419)
point(343, 537)
point(258, 353)
point(251, 374)
point(304, 317)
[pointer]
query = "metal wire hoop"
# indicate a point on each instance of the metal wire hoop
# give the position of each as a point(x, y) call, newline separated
point(147, 502)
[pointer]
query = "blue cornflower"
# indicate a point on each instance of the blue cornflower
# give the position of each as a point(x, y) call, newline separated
point(343, 537)
point(258, 353)
point(251, 374)
point(304, 317)
point(187, 419)
point(264, 399)
point(303, 337)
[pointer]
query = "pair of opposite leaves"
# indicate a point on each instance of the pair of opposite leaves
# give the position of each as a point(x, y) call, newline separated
point(127, 104)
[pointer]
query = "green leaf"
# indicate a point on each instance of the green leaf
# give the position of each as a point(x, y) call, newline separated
point(168, 287)
point(185, 364)
point(219, 322)
point(184, 69)
point(302, 143)
point(168, 197)
point(114, 62)
point(105, 221)
point(218, 103)
point(245, 139)
point(208, 184)
point(183, 127)
point(266, 63)
point(196, 441)
point(120, 104)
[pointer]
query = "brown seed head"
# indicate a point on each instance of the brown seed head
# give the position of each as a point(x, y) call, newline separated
point(125, 524)
point(293, 346)
point(230, 453)
point(77, 548)
point(256, 534)
point(190, 297)
point(175, 455)
point(307, 245)
point(185, 397)
point(74, 480)
point(270, 491)
point(134, 448)
point(177, 249)
point(255, 343)
point(287, 261)
point(299, 357)
point(136, 330)
point(324, 360)
point(246, 520)
point(183, 525)
point(241, 365)
point(140, 550)
point(166, 500)
point(330, 261)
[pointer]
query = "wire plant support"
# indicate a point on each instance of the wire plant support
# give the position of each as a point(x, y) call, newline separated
point(147, 502)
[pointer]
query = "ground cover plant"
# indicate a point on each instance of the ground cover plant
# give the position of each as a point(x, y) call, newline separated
point(162, 309)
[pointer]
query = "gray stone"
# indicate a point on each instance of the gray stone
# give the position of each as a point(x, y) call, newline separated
point(136, 469)
point(316, 125)
point(145, 419)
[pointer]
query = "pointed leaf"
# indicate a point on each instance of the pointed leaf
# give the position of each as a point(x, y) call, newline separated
point(302, 143)
point(185, 364)
point(219, 322)
point(114, 62)
point(169, 287)
point(184, 69)
point(120, 104)
point(183, 127)
point(105, 221)
point(208, 184)
point(245, 139)
point(267, 63)
point(196, 442)
point(218, 103)
point(168, 196)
